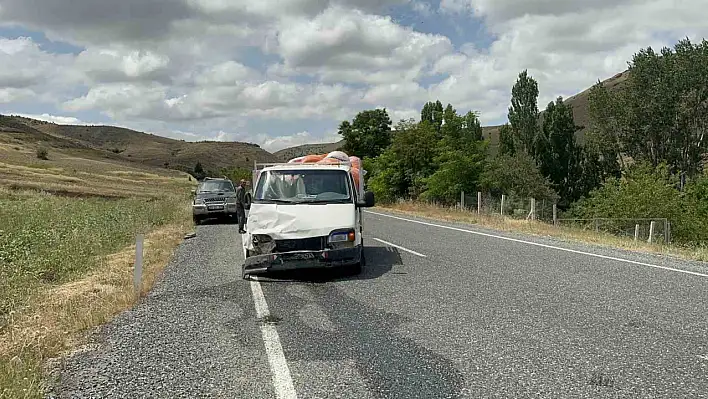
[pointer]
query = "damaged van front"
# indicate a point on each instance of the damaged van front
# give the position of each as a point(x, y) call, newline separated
point(305, 216)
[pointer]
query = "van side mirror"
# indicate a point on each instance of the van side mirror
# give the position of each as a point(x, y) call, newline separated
point(369, 200)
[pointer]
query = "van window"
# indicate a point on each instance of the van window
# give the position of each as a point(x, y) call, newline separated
point(301, 186)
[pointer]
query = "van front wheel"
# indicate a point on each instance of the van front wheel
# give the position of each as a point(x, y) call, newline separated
point(358, 267)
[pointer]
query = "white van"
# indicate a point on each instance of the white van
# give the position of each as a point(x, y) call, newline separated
point(305, 216)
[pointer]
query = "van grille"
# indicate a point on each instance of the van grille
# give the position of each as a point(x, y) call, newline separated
point(215, 199)
point(301, 244)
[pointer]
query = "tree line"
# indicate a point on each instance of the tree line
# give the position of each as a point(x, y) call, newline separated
point(642, 156)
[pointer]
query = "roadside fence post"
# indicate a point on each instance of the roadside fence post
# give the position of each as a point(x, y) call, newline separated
point(502, 204)
point(651, 232)
point(138, 269)
point(462, 199)
point(479, 202)
point(636, 232)
point(555, 214)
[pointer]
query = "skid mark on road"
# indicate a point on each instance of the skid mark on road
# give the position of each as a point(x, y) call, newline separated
point(367, 343)
point(400, 247)
point(540, 245)
point(282, 381)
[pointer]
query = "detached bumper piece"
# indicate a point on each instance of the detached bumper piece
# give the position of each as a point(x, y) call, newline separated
point(279, 261)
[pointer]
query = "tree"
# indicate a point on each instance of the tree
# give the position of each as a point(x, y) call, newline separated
point(661, 115)
point(557, 154)
point(516, 175)
point(472, 127)
point(506, 140)
point(402, 169)
point(605, 131)
point(199, 173)
point(368, 135)
point(461, 158)
point(237, 174)
point(432, 112)
point(451, 126)
point(523, 112)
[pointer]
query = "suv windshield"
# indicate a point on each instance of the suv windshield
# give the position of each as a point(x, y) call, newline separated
point(210, 186)
point(300, 186)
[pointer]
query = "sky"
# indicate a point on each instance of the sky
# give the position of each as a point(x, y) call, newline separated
point(280, 73)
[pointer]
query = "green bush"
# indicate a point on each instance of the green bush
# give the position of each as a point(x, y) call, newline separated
point(42, 152)
point(647, 192)
point(516, 175)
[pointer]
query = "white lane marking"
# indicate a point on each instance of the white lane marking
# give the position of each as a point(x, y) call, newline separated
point(541, 245)
point(282, 381)
point(400, 247)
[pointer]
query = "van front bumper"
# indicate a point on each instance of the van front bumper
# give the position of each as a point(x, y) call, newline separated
point(281, 261)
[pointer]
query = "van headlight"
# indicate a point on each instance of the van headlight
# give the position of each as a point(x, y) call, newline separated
point(261, 238)
point(231, 200)
point(342, 236)
point(198, 201)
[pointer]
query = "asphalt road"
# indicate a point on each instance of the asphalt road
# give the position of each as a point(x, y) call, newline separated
point(440, 311)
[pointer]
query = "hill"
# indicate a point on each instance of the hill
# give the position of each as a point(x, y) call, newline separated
point(75, 169)
point(293, 152)
point(148, 149)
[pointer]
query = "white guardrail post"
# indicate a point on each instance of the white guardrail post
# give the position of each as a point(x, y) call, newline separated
point(138, 269)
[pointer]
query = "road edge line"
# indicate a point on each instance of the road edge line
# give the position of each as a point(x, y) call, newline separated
point(399, 247)
point(280, 372)
point(540, 245)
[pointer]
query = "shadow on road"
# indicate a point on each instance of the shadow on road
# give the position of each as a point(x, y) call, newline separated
point(379, 261)
point(219, 220)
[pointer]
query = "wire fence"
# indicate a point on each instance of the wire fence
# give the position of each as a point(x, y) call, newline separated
point(652, 230)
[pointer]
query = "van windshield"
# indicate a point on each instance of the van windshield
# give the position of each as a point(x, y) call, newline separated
point(303, 186)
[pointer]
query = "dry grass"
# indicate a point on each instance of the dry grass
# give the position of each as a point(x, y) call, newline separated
point(55, 321)
point(544, 229)
point(74, 172)
point(62, 270)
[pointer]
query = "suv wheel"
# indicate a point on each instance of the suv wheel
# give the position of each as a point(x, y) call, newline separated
point(197, 220)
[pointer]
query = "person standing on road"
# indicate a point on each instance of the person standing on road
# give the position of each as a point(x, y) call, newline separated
point(241, 205)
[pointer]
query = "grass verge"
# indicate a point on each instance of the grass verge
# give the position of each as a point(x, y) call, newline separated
point(544, 229)
point(66, 266)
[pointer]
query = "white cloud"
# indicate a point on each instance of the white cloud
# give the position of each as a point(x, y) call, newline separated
point(58, 119)
point(345, 45)
point(189, 70)
point(9, 95)
point(566, 48)
point(122, 100)
point(406, 93)
point(123, 64)
point(24, 65)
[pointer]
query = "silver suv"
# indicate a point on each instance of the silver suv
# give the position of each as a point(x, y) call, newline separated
point(215, 198)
